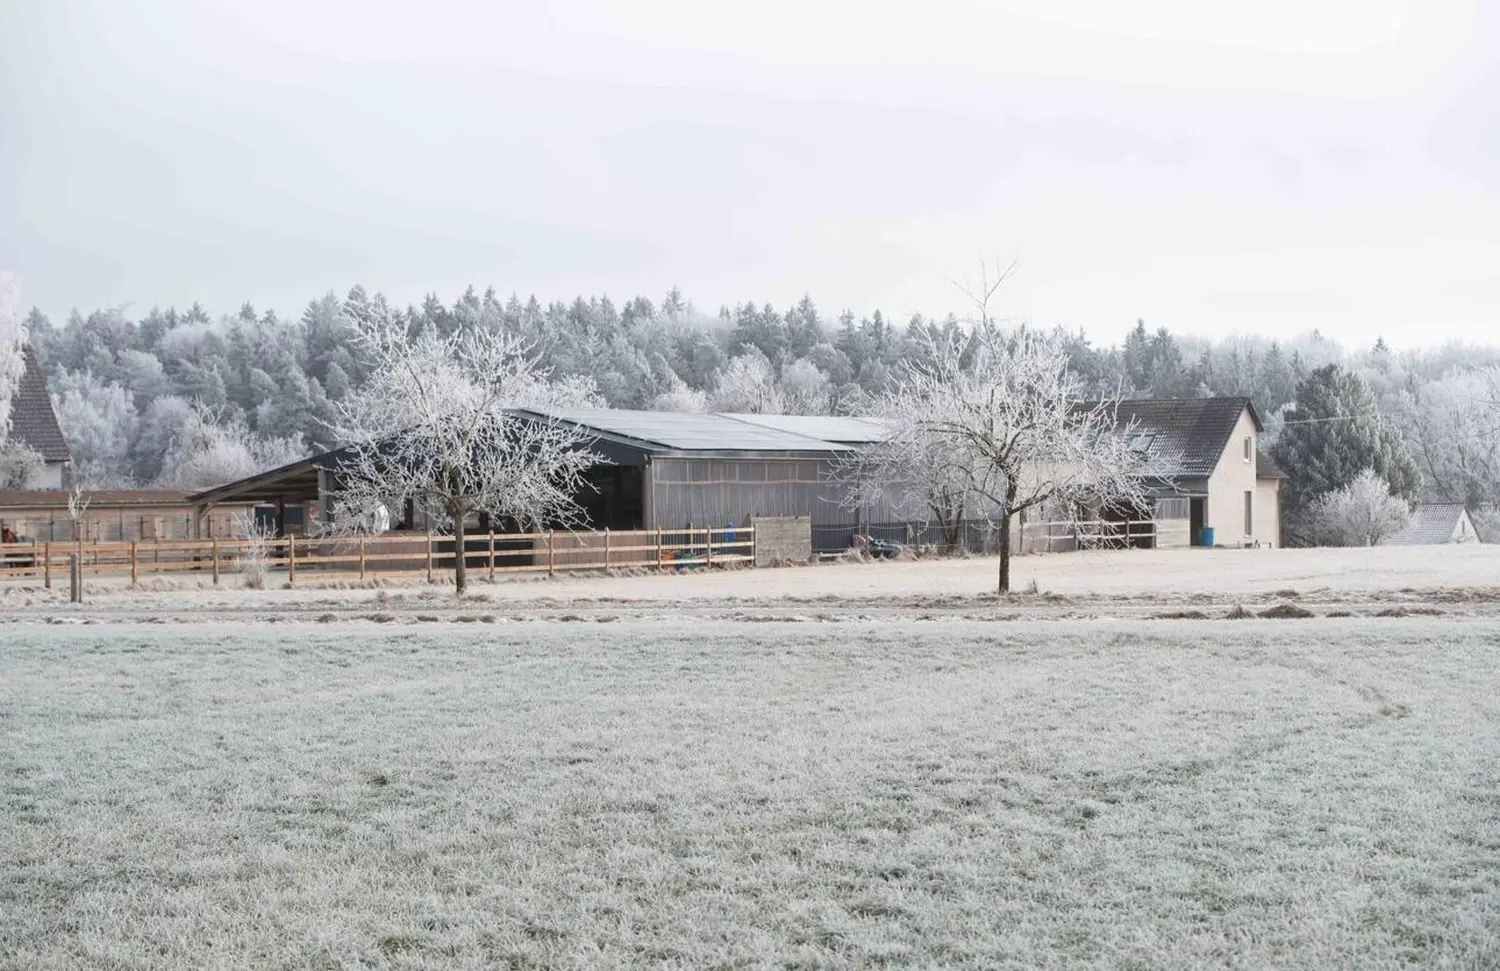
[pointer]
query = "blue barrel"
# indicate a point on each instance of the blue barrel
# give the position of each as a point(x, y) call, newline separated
point(1208, 536)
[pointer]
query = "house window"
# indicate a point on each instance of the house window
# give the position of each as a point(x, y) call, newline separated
point(1249, 448)
point(1249, 513)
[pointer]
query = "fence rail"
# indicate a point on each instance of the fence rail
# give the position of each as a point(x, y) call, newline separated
point(983, 535)
point(387, 554)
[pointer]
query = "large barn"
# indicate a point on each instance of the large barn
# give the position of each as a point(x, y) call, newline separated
point(662, 470)
point(667, 470)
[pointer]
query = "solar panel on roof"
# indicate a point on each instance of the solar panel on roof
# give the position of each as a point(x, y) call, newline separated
point(688, 432)
point(828, 428)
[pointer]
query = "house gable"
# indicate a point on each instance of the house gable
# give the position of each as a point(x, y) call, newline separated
point(32, 420)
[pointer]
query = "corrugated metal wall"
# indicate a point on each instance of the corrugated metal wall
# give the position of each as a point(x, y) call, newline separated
point(700, 491)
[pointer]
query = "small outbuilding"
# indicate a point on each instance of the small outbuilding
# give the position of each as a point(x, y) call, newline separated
point(1436, 523)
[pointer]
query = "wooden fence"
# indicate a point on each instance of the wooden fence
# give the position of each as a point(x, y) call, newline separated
point(387, 554)
point(1058, 537)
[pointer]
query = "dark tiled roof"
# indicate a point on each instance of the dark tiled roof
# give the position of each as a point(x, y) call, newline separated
point(1266, 467)
point(1183, 438)
point(1431, 523)
point(32, 419)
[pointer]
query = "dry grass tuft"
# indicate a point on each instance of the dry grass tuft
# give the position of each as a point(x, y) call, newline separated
point(1286, 612)
point(1409, 612)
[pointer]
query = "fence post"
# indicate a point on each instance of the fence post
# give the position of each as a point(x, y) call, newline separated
point(429, 557)
point(135, 564)
point(75, 578)
point(215, 548)
point(658, 547)
point(606, 548)
point(752, 545)
point(361, 556)
point(708, 540)
point(551, 554)
point(291, 561)
point(47, 565)
point(492, 554)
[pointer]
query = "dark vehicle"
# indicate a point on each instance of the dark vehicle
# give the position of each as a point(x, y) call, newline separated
point(878, 549)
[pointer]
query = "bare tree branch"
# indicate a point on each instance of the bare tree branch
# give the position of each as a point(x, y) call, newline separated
point(435, 426)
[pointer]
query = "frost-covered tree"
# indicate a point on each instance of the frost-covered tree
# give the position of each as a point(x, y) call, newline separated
point(207, 451)
point(805, 390)
point(1009, 411)
point(681, 398)
point(12, 348)
point(433, 425)
point(918, 471)
point(1362, 513)
point(100, 422)
point(1455, 436)
point(20, 466)
point(1335, 431)
point(747, 385)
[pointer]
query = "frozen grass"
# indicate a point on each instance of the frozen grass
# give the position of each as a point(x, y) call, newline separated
point(1166, 795)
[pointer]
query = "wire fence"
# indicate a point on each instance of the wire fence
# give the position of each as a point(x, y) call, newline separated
point(982, 536)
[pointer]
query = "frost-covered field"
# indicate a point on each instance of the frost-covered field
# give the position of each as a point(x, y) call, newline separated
point(705, 793)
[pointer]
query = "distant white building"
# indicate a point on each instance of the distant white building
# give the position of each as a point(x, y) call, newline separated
point(1436, 523)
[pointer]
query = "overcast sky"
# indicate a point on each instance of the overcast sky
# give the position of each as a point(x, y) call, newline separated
point(1286, 165)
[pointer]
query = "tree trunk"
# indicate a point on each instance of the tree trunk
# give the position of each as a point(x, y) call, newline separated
point(952, 532)
point(1006, 515)
point(460, 562)
point(1005, 554)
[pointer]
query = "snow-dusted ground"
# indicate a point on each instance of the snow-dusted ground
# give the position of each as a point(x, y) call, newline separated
point(709, 793)
point(1114, 582)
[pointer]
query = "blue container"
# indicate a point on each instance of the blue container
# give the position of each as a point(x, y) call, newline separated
point(1208, 536)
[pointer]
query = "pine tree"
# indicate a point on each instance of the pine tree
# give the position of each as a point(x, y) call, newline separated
point(1332, 434)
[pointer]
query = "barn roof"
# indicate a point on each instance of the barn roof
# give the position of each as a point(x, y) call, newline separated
point(1182, 438)
point(32, 420)
point(97, 498)
point(1432, 523)
point(666, 431)
point(844, 430)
